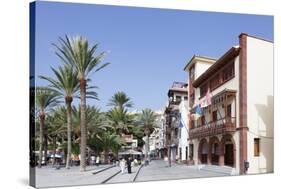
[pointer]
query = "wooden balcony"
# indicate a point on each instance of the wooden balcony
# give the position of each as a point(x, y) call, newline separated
point(222, 126)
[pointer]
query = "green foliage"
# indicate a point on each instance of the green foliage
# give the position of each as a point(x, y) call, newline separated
point(147, 119)
point(76, 51)
point(45, 98)
point(120, 100)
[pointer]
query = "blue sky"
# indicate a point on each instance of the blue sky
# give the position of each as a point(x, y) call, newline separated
point(148, 48)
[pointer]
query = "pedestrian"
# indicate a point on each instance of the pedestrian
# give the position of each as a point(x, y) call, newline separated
point(129, 165)
point(135, 162)
point(166, 160)
point(93, 159)
point(122, 165)
point(98, 160)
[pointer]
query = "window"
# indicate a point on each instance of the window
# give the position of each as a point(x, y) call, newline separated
point(192, 124)
point(203, 90)
point(256, 147)
point(191, 151)
point(203, 120)
point(228, 110)
point(178, 98)
point(191, 73)
point(185, 98)
point(215, 117)
point(215, 82)
point(176, 133)
point(186, 153)
point(228, 73)
point(192, 99)
point(180, 154)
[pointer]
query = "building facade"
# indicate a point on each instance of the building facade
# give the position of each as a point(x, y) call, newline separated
point(175, 147)
point(236, 128)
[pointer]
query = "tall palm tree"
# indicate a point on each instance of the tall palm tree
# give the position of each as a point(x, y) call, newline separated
point(148, 121)
point(44, 99)
point(77, 52)
point(120, 100)
point(66, 84)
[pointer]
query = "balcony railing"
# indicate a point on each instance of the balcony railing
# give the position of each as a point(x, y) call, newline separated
point(222, 126)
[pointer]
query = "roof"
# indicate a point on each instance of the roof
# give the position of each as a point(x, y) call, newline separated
point(178, 87)
point(201, 58)
point(259, 38)
point(231, 53)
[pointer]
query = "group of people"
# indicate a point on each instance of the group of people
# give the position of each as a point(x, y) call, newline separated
point(127, 164)
point(95, 160)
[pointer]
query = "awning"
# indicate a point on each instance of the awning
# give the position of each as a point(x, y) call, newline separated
point(132, 152)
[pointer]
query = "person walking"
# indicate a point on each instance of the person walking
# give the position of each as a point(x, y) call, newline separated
point(98, 160)
point(122, 165)
point(129, 165)
point(93, 158)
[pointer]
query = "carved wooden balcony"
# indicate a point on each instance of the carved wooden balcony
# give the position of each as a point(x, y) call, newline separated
point(222, 126)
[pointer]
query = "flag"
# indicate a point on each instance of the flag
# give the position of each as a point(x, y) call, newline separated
point(208, 98)
point(182, 124)
point(206, 101)
point(198, 112)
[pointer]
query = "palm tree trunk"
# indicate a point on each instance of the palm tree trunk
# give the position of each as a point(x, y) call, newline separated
point(55, 147)
point(83, 125)
point(106, 152)
point(146, 144)
point(45, 144)
point(68, 101)
point(41, 133)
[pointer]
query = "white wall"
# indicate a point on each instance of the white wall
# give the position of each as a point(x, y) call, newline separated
point(201, 67)
point(260, 103)
point(183, 143)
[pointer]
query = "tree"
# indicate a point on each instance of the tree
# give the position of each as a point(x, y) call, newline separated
point(110, 141)
point(77, 52)
point(95, 126)
point(120, 120)
point(120, 100)
point(44, 99)
point(56, 126)
point(66, 85)
point(148, 121)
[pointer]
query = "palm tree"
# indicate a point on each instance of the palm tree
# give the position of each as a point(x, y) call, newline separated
point(148, 121)
point(56, 126)
point(44, 99)
point(95, 125)
point(120, 100)
point(109, 142)
point(76, 52)
point(66, 85)
point(120, 120)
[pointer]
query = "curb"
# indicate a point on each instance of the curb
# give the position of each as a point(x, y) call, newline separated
point(111, 177)
point(103, 169)
point(137, 173)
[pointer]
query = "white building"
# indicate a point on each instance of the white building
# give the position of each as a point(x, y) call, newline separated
point(183, 145)
point(173, 148)
point(236, 129)
point(156, 139)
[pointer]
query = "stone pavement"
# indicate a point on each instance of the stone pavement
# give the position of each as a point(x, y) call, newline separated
point(125, 177)
point(156, 170)
point(50, 177)
point(159, 170)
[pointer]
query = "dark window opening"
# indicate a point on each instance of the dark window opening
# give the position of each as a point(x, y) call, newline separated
point(256, 147)
point(215, 116)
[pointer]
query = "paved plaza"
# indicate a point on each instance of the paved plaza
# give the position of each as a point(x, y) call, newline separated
point(156, 170)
